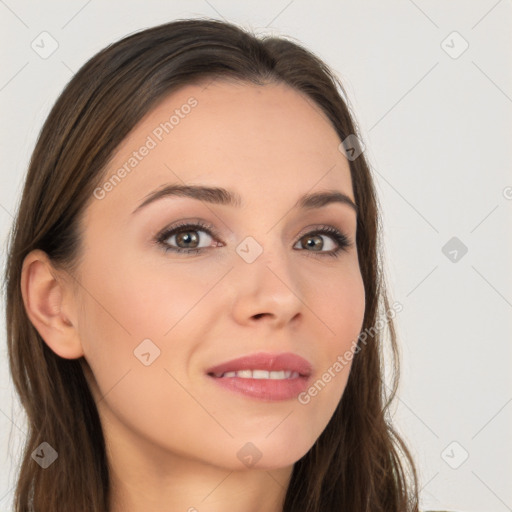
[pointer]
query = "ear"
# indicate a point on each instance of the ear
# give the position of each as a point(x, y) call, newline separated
point(50, 305)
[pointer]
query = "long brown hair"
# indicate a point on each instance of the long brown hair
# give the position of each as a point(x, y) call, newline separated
point(359, 463)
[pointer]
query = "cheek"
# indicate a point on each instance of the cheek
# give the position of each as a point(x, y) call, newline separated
point(141, 300)
point(127, 303)
point(121, 309)
point(341, 307)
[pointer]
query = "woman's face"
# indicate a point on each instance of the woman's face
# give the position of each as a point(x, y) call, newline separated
point(259, 278)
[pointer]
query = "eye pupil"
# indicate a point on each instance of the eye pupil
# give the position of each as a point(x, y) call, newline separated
point(315, 244)
point(187, 237)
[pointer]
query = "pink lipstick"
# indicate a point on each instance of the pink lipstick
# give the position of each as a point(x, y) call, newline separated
point(268, 377)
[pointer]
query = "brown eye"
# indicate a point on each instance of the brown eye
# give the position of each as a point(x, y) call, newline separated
point(315, 241)
point(186, 238)
point(189, 239)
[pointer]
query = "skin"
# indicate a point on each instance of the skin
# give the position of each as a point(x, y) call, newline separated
point(172, 435)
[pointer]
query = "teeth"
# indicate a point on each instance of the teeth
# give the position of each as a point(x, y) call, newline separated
point(260, 374)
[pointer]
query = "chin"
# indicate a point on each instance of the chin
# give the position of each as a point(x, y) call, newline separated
point(267, 454)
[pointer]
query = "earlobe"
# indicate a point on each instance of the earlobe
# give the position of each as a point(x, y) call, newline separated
point(48, 303)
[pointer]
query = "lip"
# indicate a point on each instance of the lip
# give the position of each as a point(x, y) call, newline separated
point(265, 361)
point(265, 389)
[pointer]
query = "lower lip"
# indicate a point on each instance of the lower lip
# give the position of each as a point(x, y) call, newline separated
point(264, 389)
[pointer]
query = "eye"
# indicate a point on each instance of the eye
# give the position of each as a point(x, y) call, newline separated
point(314, 240)
point(186, 238)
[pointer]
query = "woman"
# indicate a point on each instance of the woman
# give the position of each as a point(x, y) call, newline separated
point(195, 300)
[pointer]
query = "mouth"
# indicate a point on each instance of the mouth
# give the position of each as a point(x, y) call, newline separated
point(258, 374)
point(267, 377)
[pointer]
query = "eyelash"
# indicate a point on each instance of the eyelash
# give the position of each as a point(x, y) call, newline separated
point(341, 239)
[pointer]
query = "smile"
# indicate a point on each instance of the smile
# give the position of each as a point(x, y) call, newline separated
point(260, 374)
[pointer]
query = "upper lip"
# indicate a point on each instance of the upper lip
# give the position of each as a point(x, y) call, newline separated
point(264, 361)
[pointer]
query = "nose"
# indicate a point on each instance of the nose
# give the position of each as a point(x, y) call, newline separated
point(267, 290)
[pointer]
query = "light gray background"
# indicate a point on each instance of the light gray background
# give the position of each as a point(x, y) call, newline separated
point(437, 129)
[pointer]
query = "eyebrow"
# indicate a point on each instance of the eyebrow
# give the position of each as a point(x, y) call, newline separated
point(225, 197)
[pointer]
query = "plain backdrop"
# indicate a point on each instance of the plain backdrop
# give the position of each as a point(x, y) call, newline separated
point(430, 83)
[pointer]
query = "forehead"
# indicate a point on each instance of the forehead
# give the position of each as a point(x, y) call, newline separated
point(267, 141)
